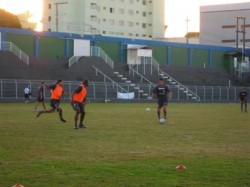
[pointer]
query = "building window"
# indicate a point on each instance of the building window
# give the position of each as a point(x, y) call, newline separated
point(144, 2)
point(121, 11)
point(93, 18)
point(49, 18)
point(131, 1)
point(150, 13)
point(49, 30)
point(104, 8)
point(131, 12)
point(111, 10)
point(144, 25)
point(103, 32)
point(111, 21)
point(104, 20)
point(122, 1)
point(121, 23)
point(137, 12)
point(49, 6)
point(130, 24)
point(144, 14)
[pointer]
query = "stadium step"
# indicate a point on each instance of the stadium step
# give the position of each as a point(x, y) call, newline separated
point(116, 73)
point(128, 81)
point(124, 78)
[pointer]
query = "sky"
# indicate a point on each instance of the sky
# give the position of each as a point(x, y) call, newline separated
point(177, 12)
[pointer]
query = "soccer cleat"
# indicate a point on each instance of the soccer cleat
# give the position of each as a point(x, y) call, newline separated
point(75, 127)
point(82, 126)
point(63, 120)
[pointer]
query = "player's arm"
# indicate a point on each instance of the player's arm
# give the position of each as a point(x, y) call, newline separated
point(51, 87)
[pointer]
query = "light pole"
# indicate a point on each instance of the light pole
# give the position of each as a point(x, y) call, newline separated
point(187, 20)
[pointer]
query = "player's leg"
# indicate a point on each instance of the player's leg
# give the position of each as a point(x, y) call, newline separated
point(241, 105)
point(82, 111)
point(36, 104)
point(245, 105)
point(160, 105)
point(77, 112)
point(43, 103)
point(60, 112)
point(165, 111)
point(51, 109)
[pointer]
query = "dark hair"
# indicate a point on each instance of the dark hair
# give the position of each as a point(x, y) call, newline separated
point(58, 81)
point(86, 82)
point(161, 79)
point(42, 82)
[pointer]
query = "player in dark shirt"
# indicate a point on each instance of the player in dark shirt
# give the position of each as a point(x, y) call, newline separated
point(162, 92)
point(40, 96)
point(243, 99)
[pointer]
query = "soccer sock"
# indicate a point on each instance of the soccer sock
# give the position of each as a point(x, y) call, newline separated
point(82, 118)
point(159, 115)
point(165, 114)
point(245, 107)
point(241, 107)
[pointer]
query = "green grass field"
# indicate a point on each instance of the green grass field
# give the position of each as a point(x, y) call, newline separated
point(123, 145)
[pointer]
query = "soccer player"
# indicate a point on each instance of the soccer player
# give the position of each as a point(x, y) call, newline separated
point(243, 99)
point(78, 103)
point(27, 94)
point(56, 94)
point(162, 92)
point(40, 96)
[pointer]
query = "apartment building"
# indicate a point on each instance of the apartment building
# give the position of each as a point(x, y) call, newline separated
point(121, 18)
point(225, 24)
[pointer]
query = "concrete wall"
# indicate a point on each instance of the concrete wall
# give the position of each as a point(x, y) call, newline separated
point(52, 44)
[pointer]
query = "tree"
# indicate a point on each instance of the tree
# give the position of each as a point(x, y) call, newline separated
point(9, 20)
point(192, 34)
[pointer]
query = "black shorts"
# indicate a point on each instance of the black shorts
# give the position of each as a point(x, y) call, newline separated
point(162, 102)
point(78, 106)
point(243, 100)
point(39, 99)
point(54, 103)
point(26, 96)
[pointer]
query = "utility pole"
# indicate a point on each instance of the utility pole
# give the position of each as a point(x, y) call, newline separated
point(241, 30)
point(57, 18)
point(187, 20)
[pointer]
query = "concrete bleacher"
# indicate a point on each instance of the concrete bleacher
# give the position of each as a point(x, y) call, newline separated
point(56, 68)
point(191, 75)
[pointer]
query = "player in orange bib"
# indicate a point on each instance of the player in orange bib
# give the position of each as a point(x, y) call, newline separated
point(56, 94)
point(78, 103)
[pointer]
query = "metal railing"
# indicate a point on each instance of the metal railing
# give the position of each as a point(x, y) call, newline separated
point(9, 46)
point(133, 71)
point(73, 60)
point(94, 52)
point(108, 78)
point(99, 91)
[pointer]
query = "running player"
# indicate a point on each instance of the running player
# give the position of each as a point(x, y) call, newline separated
point(243, 99)
point(40, 96)
point(78, 103)
point(56, 94)
point(162, 92)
